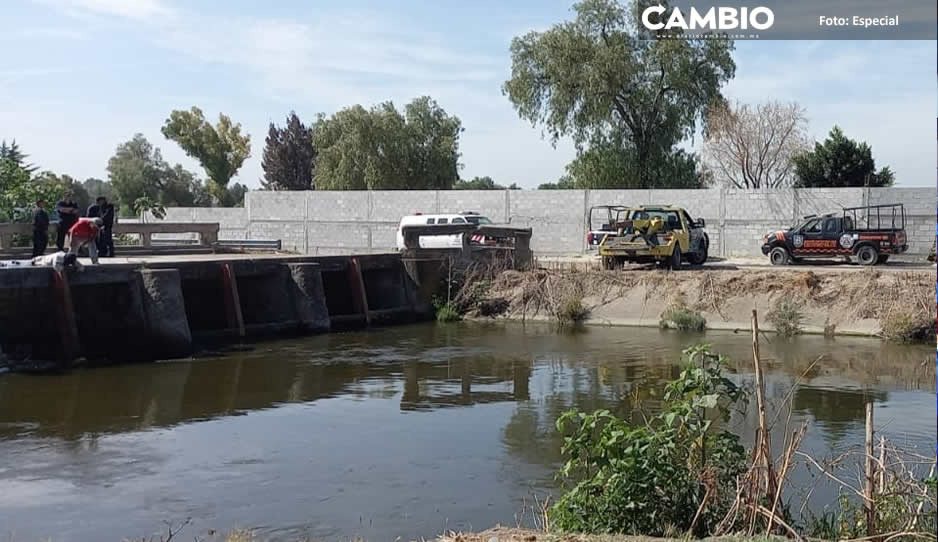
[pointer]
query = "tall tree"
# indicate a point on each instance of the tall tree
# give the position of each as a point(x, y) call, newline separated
point(753, 146)
point(63, 183)
point(613, 163)
point(381, 148)
point(221, 149)
point(13, 153)
point(600, 81)
point(98, 188)
point(18, 192)
point(839, 162)
point(483, 183)
point(137, 170)
point(289, 156)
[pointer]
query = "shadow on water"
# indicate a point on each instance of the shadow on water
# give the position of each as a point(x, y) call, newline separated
point(399, 431)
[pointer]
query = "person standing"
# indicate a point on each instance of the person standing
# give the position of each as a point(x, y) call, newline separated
point(106, 239)
point(68, 216)
point(85, 233)
point(40, 229)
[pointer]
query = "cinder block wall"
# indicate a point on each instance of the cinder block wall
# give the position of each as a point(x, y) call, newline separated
point(343, 222)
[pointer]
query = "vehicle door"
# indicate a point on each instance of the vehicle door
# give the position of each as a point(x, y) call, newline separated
point(695, 234)
point(810, 239)
point(834, 235)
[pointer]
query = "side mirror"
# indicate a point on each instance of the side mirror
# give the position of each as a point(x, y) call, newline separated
point(701, 223)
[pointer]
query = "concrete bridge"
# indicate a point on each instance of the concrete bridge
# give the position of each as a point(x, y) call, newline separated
point(157, 308)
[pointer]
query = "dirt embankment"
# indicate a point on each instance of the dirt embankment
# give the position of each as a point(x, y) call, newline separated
point(859, 303)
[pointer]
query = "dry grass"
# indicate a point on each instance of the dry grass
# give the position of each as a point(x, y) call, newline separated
point(850, 295)
point(504, 534)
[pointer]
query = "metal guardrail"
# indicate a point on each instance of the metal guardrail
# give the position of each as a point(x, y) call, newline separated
point(271, 244)
point(265, 244)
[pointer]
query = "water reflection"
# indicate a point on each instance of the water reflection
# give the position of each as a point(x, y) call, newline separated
point(416, 429)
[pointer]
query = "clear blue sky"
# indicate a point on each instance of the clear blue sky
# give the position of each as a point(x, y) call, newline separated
point(78, 77)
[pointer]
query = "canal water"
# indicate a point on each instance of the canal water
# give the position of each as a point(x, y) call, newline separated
point(398, 432)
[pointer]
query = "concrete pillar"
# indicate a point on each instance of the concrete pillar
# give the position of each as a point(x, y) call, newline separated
point(164, 311)
point(308, 295)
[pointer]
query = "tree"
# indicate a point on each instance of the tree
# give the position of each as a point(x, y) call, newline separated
point(221, 149)
point(599, 80)
point(753, 147)
point(381, 148)
point(289, 156)
point(612, 163)
point(63, 183)
point(138, 170)
point(483, 183)
point(13, 153)
point(565, 182)
point(839, 162)
point(97, 188)
point(18, 193)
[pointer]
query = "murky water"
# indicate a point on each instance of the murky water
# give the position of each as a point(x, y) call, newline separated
point(403, 431)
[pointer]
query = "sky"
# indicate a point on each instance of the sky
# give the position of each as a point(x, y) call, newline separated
point(79, 77)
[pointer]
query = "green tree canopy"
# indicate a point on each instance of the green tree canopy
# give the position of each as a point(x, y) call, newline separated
point(65, 183)
point(615, 164)
point(289, 156)
point(483, 183)
point(381, 148)
point(565, 182)
point(18, 192)
point(138, 170)
point(13, 153)
point(839, 162)
point(599, 80)
point(97, 188)
point(221, 149)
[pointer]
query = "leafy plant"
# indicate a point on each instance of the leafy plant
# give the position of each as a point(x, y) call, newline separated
point(571, 310)
point(446, 311)
point(676, 471)
point(786, 317)
point(683, 318)
point(145, 204)
point(904, 327)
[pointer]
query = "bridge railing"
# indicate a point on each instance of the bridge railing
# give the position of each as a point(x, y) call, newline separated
point(207, 231)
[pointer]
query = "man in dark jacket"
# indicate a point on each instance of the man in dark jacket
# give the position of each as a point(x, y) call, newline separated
point(105, 211)
point(68, 216)
point(40, 230)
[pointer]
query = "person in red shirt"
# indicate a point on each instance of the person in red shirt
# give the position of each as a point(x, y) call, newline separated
point(85, 233)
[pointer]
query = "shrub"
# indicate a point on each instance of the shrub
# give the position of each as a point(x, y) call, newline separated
point(446, 311)
point(571, 310)
point(906, 327)
point(683, 318)
point(786, 317)
point(651, 478)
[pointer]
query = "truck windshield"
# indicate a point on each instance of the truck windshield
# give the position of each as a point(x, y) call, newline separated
point(478, 220)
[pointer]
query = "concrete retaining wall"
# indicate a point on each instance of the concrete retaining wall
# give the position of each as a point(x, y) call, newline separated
point(328, 223)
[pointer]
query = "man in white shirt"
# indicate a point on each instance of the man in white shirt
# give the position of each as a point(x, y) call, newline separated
point(58, 261)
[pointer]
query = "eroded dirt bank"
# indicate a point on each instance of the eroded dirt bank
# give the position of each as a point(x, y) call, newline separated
point(858, 303)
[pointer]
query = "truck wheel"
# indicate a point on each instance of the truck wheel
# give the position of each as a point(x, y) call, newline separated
point(779, 256)
point(867, 255)
point(609, 263)
point(699, 256)
point(883, 258)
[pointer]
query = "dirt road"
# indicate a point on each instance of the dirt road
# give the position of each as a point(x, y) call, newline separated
point(756, 264)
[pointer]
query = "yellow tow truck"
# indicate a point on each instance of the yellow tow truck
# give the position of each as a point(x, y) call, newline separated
point(661, 234)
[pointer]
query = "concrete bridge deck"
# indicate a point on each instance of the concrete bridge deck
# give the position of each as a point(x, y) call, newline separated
point(155, 307)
